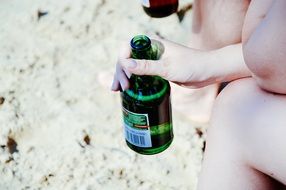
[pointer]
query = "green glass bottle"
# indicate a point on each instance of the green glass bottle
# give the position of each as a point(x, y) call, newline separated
point(146, 105)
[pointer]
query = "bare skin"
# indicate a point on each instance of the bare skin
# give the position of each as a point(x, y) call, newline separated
point(245, 144)
point(217, 23)
point(245, 141)
point(203, 37)
point(213, 28)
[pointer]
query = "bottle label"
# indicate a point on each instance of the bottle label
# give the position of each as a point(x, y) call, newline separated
point(145, 3)
point(137, 129)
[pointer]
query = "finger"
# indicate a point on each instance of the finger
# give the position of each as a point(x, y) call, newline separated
point(124, 83)
point(165, 42)
point(156, 37)
point(121, 83)
point(144, 67)
point(125, 51)
point(193, 85)
point(115, 84)
point(121, 77)
point(127, 73)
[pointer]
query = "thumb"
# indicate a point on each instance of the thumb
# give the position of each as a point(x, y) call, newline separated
point(144, 67)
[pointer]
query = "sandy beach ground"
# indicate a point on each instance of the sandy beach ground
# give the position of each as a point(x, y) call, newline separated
point(60, 125)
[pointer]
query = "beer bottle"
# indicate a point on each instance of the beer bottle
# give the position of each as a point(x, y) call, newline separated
point(146, 105)
point(159, 8)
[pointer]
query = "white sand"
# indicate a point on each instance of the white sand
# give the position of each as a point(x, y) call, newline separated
point(51, 76)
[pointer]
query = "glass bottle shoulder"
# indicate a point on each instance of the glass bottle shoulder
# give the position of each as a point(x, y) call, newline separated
point(144, 92)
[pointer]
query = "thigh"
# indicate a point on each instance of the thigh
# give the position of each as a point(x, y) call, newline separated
point(260, 118)
point(217, 23)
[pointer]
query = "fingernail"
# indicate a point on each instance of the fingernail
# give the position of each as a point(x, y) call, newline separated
point(113, 86)
point(128, 75)
point(132, 64)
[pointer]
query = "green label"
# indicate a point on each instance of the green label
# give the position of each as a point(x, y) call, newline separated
point(136, 129)
point(135, 120)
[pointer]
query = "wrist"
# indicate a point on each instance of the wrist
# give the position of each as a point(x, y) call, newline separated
point(226, 64)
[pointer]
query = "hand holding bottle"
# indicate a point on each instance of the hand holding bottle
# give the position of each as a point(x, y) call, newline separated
point(183, 65)
point(146, 105)
point(178, 64)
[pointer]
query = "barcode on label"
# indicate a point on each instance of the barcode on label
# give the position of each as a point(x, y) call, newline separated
point(135, 139)
point(140, 138)
point(145, 3)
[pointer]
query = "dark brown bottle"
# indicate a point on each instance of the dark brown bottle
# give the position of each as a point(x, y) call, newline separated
point(159, 8)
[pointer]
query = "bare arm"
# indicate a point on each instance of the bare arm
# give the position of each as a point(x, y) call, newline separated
point(216, 55)
point(265, 50)
point(189, 67)
point(221, 65)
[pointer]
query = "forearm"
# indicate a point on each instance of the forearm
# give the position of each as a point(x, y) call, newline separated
point(222, 65)
point(191, 67)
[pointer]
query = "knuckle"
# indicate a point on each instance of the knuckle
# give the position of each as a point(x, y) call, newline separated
point(143, 66)
point(118, 70)
point(119, 64)
point(165, 63)
point(164, 68)
point(146, 65)
point(165, 74)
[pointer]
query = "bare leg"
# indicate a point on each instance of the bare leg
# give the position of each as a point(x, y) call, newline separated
point(195, 104)
point(246, 140)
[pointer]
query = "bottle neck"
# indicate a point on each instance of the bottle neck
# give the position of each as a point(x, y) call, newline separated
point(143, 54)
point(143, 81)
point(147, 54)
point(145, 87)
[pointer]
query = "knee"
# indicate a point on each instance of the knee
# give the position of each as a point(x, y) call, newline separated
point(232, 115)
point(235, 103)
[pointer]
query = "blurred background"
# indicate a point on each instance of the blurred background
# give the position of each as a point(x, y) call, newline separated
point(60, 125)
